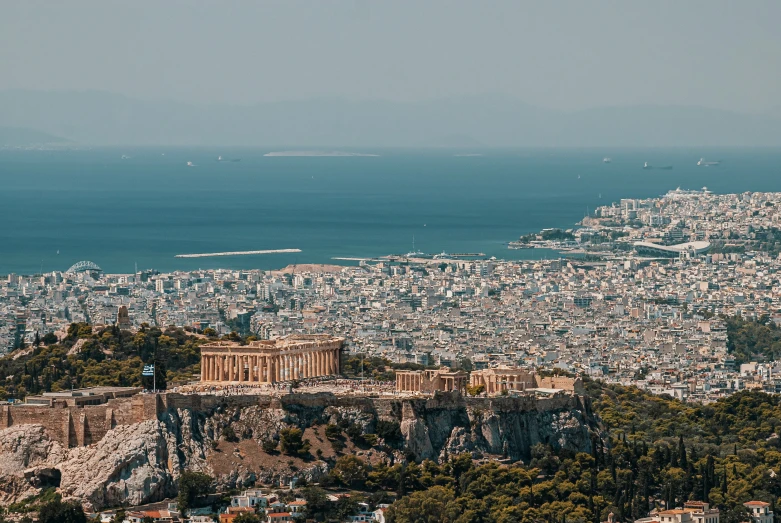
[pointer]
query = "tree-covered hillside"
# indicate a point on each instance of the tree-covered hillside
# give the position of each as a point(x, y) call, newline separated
point(107, 357)
point(660, 452)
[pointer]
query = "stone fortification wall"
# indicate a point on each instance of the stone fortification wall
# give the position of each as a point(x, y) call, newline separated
point(75, 426)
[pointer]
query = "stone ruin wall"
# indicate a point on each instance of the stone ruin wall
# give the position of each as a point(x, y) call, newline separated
point(79, 426)
point(561, 382)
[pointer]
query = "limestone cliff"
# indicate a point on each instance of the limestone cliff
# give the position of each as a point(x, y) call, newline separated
point(141, 462)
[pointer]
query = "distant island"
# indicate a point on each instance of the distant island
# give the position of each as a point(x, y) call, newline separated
point(316, 153)
point(24, 137)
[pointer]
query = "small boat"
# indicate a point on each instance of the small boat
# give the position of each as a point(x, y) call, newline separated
point(190, 164)
point(647, 165)
point(703, 163)
point(606, 160)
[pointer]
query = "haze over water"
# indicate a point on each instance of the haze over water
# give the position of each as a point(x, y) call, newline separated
point(94, 205)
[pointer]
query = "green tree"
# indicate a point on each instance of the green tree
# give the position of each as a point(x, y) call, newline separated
point(475, 390)
point(292, 442)
point(333, 431)
point(191, 486)
point(435, 505)
point(57, 511)
point(119, 516)
point(228, 434)
point(350, 470)
point(317, 503)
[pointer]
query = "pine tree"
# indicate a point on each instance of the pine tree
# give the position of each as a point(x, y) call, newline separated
point(682, 453)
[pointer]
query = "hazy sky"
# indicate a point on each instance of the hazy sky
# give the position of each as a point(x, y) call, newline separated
point(569, 55)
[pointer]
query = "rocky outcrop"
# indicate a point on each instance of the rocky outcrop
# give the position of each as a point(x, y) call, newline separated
point(25, 454)
point(140, 463)
point(135, 464)
point(505, 426)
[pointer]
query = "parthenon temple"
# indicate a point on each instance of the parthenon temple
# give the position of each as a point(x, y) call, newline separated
point(293, 357)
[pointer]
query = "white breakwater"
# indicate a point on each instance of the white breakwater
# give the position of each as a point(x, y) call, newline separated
point(236, 253)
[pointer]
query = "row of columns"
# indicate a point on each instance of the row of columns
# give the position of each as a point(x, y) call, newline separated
point(497, 383)
point(413, 382)
point(409, 382)
point(252, 368)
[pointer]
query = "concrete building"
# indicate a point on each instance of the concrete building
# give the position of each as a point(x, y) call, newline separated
point(692, 512)
point(298, 356)
point(760, 511)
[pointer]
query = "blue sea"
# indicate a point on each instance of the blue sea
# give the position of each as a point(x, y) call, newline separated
point(60, 207)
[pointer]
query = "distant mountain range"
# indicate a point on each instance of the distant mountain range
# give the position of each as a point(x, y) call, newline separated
point(99, 118)
point(20, 136)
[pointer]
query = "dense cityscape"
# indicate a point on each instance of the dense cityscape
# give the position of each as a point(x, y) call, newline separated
point(390, 262)
point(656, 318)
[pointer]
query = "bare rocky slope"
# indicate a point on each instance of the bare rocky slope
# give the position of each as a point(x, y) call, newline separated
point(140, 463)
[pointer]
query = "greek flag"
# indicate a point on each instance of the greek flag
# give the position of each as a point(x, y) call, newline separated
point(149, 370)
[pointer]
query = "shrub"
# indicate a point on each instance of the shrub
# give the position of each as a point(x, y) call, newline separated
point(228, 434)
point(292, 443)
point(269, 446)
point(332, 432)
